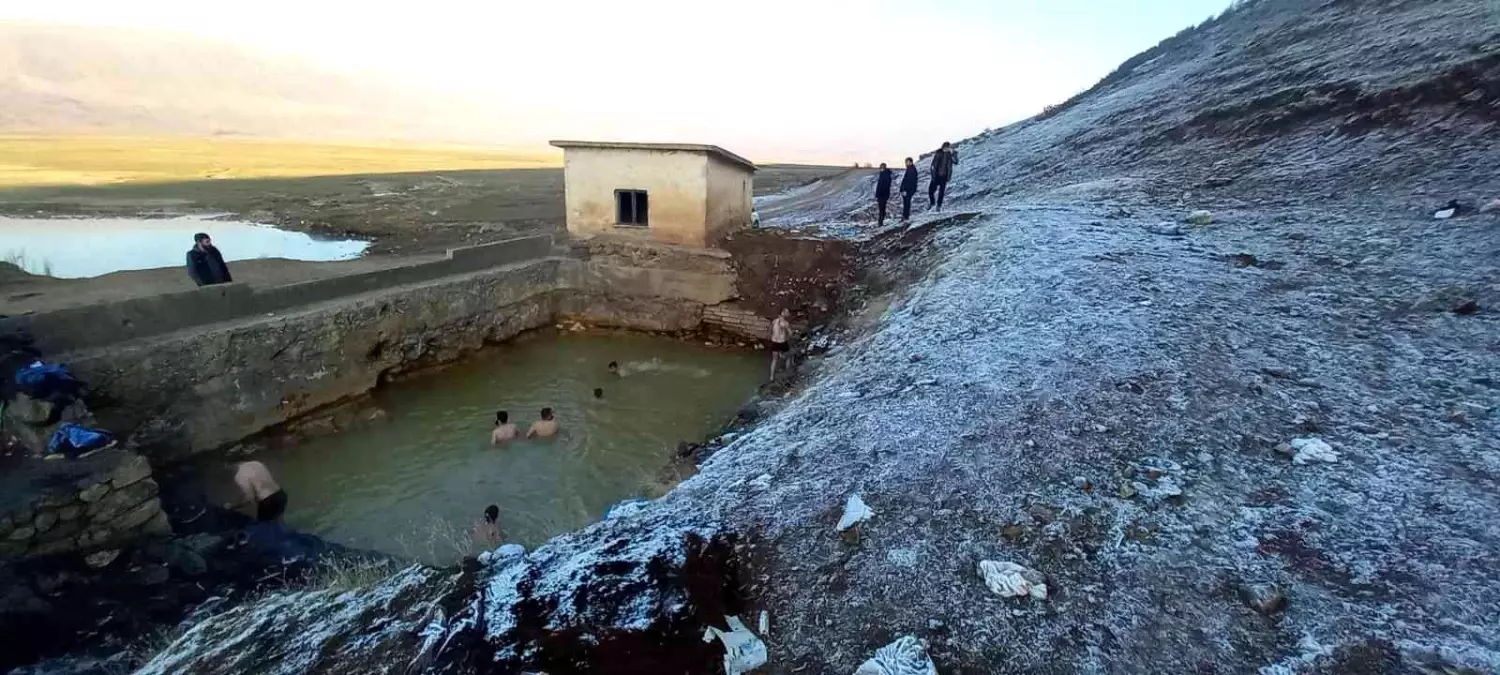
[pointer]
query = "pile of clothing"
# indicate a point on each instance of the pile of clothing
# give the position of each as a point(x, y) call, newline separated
point(54, 383)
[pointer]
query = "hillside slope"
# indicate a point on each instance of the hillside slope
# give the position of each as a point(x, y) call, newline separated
point(75, 79)
point(1087, 386)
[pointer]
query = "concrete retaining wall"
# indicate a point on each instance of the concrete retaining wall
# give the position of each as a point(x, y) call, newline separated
point(101, 501)
point(278, 354)
point(79, 328)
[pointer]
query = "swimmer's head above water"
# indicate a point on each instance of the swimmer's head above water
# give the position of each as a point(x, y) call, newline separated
point(598, 393)
point(546, 413)
point(501, 417)
point(491, 513)
point(614, 367)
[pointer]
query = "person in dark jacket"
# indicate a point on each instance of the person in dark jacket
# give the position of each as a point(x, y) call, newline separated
point(882, 190)
point(908, 188)
point(205, 264)
point(943, 162)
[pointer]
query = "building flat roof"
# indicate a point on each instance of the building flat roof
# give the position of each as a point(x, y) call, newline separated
point(677, 147)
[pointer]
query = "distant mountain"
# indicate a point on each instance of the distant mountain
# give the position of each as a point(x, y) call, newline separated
point(78, 79)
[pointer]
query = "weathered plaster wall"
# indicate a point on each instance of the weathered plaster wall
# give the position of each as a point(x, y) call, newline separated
point(676, 183)
point(729, 189)
point(51, 507)
point(90, 326)
point(190, 392)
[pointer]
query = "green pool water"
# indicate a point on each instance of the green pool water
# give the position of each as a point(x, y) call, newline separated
point(415, 483)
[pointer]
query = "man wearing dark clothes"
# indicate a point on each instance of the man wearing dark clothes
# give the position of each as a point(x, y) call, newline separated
point(205, 264)
point(943, 162)
point(908, 188)
point(882, 190)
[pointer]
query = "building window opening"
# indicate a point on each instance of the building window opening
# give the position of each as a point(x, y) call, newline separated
point(631, 207)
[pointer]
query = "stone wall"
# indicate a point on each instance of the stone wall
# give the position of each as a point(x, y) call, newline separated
point(60, 506)
point(732, 318)
point(109, 323)
point(187, 393)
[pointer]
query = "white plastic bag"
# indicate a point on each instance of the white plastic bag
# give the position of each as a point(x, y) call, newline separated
point(743, 652)
point(855, 511)
point(1010, 580)
point(905, 656)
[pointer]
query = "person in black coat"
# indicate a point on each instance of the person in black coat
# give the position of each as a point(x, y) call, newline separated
point(882, 190)
point(908, 188)
point(943, 162)
point(205, 264)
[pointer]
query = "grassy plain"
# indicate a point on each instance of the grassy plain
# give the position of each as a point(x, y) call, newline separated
point(99, 160)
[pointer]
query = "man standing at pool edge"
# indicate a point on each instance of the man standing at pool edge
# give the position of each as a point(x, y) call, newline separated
point(205, 264)
point(781, 335)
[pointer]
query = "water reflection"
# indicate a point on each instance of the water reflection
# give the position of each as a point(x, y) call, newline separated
point(89, 247)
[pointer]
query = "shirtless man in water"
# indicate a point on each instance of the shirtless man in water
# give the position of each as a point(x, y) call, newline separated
point(255, 482)
point(504, 430)
point(545, 427)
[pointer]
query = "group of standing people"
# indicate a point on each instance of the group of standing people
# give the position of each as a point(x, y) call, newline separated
point(943, 162)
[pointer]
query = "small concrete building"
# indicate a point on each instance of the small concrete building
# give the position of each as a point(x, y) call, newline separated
point(674, 193)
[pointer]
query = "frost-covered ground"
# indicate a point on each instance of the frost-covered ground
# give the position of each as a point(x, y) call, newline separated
point(1088, 386)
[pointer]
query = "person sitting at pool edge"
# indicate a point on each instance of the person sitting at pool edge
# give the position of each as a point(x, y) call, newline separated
point(256, 484)
point(504, 430)
point(487, 531)
point(545, 427)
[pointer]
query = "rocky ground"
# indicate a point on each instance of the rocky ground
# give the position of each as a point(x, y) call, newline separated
point(1074, 378)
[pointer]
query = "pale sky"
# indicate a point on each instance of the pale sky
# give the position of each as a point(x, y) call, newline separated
point(867, 80)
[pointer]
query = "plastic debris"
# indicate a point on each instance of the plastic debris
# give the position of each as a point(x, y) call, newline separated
point(1201, 217)
point(905, 656)
point(502, 554)
point(1312, 450)
point(764, 626)
point(1010, 580)
point(855, 511)
point(743, 652)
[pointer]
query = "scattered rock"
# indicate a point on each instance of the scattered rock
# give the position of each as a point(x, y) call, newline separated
point(44, 521)
point(1491, 207)
point(1312, 450)
point(131, 470)
point(1466, 307)
point(1127, 490)
point(93, 493)
point(1010, 580)
point(1083, 484)
point(906, 656)
point(1218, 182)
point(22, 533)
point(1167, 229)
point(101, 559)
point(855, 511)
point(1267, 599)
point(1201, 217)
point(1246, 260)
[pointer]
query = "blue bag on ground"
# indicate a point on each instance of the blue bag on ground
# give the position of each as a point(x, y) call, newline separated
point(73, 440)
point(49, 381)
